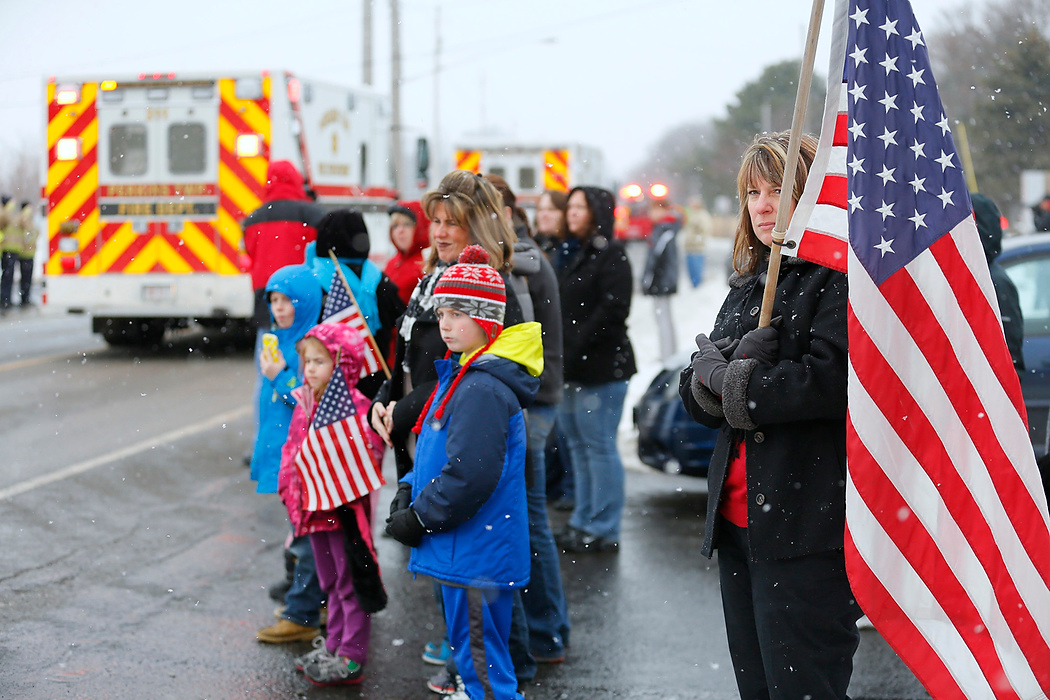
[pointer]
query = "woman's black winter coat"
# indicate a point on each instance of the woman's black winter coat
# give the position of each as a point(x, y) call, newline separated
point(596, 286)
point(791, 415)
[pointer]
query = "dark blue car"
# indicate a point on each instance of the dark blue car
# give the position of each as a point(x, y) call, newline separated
point(1027, 261)
point(668, 438)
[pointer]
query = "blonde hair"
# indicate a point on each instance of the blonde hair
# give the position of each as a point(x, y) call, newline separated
point(473, 203)
point(318, 391)
point(765, 159)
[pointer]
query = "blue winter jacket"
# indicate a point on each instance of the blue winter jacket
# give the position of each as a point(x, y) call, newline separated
point(468, 482)
point(299, 284)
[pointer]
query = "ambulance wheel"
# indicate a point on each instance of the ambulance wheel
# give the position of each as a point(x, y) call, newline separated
point(130, 331)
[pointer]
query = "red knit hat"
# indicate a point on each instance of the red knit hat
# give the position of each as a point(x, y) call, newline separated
point(475, 288)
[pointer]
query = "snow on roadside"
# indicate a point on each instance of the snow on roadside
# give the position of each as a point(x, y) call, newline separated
point(694, 312)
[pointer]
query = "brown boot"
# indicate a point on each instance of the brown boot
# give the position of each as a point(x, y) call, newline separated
point(286, 631)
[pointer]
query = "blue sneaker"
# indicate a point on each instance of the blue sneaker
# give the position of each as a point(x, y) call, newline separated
point(437, 654)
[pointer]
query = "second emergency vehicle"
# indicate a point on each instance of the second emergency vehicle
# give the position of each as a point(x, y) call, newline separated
point(530, 169)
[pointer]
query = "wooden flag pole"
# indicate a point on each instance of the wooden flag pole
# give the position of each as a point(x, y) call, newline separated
point(353, 300)
point(798, 119)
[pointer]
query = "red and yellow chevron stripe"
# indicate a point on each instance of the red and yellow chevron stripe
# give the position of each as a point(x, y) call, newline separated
point(468, 160)
point(72, 185)
point(556, 170)
point(242, 181)
point(108, 246)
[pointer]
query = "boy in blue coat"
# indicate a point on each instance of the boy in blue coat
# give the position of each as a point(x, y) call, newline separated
point(462, 507)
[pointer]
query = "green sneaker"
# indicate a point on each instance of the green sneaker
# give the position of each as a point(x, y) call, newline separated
point(328, 670)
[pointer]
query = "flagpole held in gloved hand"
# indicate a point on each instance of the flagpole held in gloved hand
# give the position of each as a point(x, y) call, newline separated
point(798, 119)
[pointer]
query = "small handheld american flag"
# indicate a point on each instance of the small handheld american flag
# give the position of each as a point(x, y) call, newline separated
point(335, 462)
point(340, 308)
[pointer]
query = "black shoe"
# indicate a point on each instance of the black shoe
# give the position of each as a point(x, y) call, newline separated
point(567, 535)
point(584, 542)
point(279, 590)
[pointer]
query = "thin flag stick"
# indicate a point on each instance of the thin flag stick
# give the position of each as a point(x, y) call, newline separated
point(353, 299)
point(967, 158)
point(805, 78)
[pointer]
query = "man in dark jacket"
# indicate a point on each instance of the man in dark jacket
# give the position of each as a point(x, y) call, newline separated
point(277, 232)
point(660, 280)
point(990, 227)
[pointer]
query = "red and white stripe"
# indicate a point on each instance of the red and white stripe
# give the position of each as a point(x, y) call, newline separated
point(947, 541)
point(818, 230)
point(351, 316)
point(336, 465)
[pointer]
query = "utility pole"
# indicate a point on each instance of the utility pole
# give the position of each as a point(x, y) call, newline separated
point(437, 95)
point(395, 91)
point(366, 43)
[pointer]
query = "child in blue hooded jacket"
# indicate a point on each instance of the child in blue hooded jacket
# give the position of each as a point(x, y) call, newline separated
point(462, 507)
point(294, 297)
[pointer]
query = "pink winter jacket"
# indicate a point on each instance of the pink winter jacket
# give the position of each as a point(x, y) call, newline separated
point(345, 342)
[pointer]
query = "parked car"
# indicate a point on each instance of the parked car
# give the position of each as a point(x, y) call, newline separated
point(1027, 261)
point(668, 439)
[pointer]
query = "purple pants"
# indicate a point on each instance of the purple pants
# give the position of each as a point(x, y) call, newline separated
point(349, 627)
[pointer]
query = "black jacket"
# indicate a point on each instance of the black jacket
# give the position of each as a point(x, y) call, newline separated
point(535, 272)
point(595, 286)
point(661, 265)
point(791, 415)
point(989, 226)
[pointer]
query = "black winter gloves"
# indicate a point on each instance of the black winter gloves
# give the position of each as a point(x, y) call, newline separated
point(402, 499)
point(405, 527)
point(709, 366)
point(760, 344)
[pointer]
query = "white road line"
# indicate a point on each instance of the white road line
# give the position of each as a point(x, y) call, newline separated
point(22, 364)
point(128, 451)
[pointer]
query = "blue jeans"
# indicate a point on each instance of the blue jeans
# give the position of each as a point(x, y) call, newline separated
point(695, 263)
point(590, 416)
point(544, 597)
point(302, 603)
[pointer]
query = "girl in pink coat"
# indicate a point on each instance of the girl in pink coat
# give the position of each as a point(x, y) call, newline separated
point(344, 550)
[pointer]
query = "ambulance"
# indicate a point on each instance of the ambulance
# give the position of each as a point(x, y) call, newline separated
point(530, 169)
point(149, 176)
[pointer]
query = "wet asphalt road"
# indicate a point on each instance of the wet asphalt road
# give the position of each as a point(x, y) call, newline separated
point(135, 555)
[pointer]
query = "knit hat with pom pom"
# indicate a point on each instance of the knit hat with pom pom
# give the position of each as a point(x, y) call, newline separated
point(475, 288)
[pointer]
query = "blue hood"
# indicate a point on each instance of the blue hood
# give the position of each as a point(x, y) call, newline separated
point(298, 283)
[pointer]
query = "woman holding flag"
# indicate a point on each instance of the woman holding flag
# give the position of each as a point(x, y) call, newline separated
point(777, 479)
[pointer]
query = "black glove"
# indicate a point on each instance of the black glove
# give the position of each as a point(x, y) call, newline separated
point(708, 364)
point(727, 346)
point(404, 526)
point(402, 499)
point(761, 344)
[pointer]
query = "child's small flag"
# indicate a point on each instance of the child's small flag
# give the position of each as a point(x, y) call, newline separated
point(336, 462)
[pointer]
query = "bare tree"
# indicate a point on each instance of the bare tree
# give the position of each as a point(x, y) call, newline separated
point(20, 174)
point(992, 67)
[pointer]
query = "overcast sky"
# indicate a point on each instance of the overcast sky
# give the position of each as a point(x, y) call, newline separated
point(615, 74)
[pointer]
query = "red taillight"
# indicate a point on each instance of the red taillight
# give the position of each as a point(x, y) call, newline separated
point(70, 263)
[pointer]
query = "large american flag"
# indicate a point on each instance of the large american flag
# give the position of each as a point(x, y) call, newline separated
point(340, 308)
point(947, 532)
point(335, 462)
